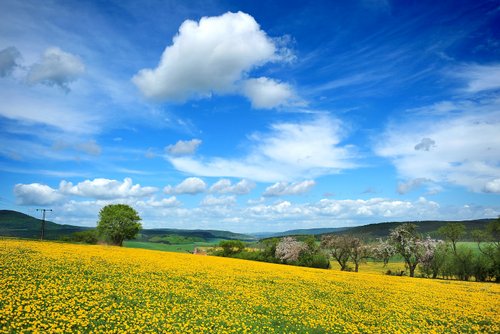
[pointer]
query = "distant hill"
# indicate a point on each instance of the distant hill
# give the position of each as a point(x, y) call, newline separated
point(17, 224)
point(206, 235)
point(20, 225)
point(304, 231)
point(379, 230)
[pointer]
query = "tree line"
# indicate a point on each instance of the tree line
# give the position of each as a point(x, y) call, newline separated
point(422, 255)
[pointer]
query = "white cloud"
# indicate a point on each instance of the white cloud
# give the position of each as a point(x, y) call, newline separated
point(265, 93)
point(379, 207)
point(492, 186)
point(211, 200)
point(468, 153)
point(106, 189)
point(224, 213)
point(30, 107)
point(57, 68)
point(284, 188)
point(191, 186)
point(8, 60)
point(224, 186)
point(466, 129)
point(169, 202)
point(480, 77)
point(36, 194)
point(183, 147)
point(289, 151)
point(207, 56)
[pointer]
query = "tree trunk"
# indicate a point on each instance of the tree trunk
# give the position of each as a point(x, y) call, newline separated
point(412, 270)
point(356, 267)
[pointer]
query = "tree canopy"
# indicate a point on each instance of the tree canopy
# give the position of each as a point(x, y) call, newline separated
point(118, 222)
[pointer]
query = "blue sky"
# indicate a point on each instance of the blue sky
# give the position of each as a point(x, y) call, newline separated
point(248, 115)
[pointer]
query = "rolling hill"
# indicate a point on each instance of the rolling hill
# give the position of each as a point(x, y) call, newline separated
point(17, 224)
point(303, 231)
point(20, 225)
point(379, 230)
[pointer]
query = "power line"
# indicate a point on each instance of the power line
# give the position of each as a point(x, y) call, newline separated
point(42, 232)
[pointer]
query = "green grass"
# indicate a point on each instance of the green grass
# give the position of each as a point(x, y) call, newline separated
point(179, 248)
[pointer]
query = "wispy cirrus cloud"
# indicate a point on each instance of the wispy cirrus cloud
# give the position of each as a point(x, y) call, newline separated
point(479, 77)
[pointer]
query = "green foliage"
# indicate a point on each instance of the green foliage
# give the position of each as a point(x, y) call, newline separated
point(345, 248)
point(452, 232)
point(231, 247)
point(88, 237)
point(314, 260)
point(118, 222)
point(433, 267)
point(268, 250)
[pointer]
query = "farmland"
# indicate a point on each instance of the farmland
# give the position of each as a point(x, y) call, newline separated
point(59, 287)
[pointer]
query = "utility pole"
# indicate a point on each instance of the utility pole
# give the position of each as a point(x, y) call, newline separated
point(42, 232)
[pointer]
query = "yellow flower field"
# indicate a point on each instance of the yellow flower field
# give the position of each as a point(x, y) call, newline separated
point(56, 287)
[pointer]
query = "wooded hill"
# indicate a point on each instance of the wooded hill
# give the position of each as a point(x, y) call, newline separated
point(17, 224)
point(20, 225)
point(382, 230)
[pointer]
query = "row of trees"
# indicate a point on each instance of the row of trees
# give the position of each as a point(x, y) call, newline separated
point(433, 258)
point(305, 252)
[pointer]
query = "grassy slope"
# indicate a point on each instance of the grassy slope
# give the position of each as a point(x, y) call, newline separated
point(180, 248)
point(17, 224)
point(97, 288)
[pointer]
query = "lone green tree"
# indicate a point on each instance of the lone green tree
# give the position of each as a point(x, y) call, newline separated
point(453, 232)
point(118, 222)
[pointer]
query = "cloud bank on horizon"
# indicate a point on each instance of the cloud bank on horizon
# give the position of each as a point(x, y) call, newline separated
point(237, 117)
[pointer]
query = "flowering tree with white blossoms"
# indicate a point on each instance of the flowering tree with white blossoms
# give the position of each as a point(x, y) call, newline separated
point(289, 249)
point(432, 255)
point(383, 250)
point(410, 245)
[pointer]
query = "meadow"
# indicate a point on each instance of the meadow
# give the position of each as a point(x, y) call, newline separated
point(179, 248)
point(58, 287)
